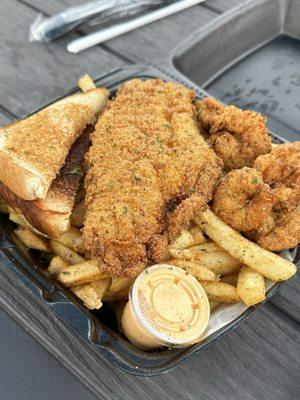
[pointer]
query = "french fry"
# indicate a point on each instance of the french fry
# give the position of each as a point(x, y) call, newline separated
point(31, 240)
point(193, 252)
point(213, 304)
point(77, 216)
point(122, 295)
point(183, 241)
point(119, 284)
point(56, 264)
point(92, 293)
point(198, 271)
point(119, 289)
point(220, 262)
point(263, 261)
point(72, 239)
point(206, 247)
point(88, 296)
point(250, 286)
point(231, 279)
point(65, 252)
point(17, 218)
point(221, 292)
point(198, 235)
point(79, 274)
point(86, 83)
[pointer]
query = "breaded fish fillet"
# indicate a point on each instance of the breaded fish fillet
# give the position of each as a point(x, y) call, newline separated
point(149, 173)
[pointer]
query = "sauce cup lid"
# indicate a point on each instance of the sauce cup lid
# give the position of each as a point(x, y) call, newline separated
point(170, 304)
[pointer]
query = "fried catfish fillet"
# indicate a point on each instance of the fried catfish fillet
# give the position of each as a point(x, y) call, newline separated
point(149, 173)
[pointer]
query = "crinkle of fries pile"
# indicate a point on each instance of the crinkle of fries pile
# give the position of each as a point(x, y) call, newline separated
point(229, 267)
point(71, 266)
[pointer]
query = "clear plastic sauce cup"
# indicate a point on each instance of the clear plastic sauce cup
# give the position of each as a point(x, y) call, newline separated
point(166, 307)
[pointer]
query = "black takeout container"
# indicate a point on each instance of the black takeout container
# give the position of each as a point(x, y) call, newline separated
point(93, 334)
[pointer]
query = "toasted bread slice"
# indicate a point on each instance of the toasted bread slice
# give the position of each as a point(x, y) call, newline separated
point(51, 216)
point(33, 150)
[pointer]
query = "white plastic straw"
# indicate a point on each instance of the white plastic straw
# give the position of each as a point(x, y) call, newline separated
point(88, 41)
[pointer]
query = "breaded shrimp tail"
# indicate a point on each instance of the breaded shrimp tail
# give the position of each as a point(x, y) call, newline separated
point(149, 173)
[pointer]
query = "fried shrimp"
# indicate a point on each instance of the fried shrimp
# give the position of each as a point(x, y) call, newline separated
point(285, 234)
point(262, 201)
point(281, 170)
point(238, 137)
point(242, 200)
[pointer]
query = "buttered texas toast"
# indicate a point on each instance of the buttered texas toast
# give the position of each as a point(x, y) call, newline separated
point(51, 216)
point(33, 150)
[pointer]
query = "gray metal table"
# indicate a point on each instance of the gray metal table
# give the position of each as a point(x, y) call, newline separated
point(259, 360)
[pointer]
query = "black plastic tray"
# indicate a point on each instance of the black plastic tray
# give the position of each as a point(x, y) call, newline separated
point(250, 57)
point(56, 318)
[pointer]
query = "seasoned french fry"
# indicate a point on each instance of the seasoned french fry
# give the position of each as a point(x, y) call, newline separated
point(221, 292)
point(180, 254)
point(65, 252)
point(213, 304)
point(119, 289)
point(56, 264)
point(77, 216)
point(263, 261)
point(88, 296)
point(183, 241)
point(198, 271)
point(220, 262)
point(101, 286)
point(86, 83)
point(31, 240)
point(198, 235)
point(118, 296)
point(72, 239)
point(79, 274)
point(231, 279)
point(17, 218)
point(194, 252)
point(207, 247)
point(92, 293)
point(250, 286)
point(119, 284)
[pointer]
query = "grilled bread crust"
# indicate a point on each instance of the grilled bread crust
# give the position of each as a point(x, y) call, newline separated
point(51, 216)
point(33, 150)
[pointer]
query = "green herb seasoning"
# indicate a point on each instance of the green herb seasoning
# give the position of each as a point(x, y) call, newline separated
point(75, 171)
